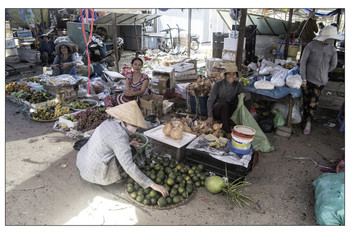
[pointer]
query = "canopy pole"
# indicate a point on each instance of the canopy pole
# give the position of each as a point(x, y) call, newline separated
point(189, 33)
point(241, 35)
point(286, 48)
point(115, 43)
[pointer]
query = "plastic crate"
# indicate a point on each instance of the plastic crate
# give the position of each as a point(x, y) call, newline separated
point(195, 157)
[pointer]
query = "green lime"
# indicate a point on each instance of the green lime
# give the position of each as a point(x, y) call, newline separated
point(130, 189)
point(162, 201)
point(153, 193)
point(169, 200)
point(170, 181)
point(133, 195)
point(153, 200)
point(140, 198)
point(146, 201)
point(176, 199)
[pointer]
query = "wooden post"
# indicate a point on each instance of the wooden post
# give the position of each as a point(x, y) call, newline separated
point(189, 33)
point(241, 39)
point(286, 48)
point(115, 43)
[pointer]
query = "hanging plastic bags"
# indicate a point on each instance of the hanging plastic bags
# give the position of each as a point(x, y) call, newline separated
point(242, 116)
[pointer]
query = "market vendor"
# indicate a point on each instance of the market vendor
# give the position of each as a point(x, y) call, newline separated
point(47, 50)
point(319, 58)
point(107, 156)
point(223, 100)
point(65, 59)
point(136, 86)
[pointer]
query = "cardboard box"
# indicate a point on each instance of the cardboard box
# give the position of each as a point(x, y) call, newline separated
point(152, 104)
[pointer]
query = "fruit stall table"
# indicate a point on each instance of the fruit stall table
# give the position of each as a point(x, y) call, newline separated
point(277, 94)
point(158, 135)
point(218, 160)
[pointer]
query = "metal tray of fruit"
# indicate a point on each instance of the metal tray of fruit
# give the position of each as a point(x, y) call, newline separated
point(43, 120)
point(90, 104)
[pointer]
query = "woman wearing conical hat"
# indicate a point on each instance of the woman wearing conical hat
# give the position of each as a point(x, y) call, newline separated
point(107, 154)
point(319, 58)
point(222, 100)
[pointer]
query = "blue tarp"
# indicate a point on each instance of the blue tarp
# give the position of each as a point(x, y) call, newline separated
point(277, 92)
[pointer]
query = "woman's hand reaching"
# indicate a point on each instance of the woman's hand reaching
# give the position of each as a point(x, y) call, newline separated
point(160, 189)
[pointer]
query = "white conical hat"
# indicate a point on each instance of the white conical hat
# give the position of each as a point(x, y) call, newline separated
point(130, 113)
point(329, 32)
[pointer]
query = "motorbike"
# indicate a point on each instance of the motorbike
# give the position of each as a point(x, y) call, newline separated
point(102, 53)
point(167, 43)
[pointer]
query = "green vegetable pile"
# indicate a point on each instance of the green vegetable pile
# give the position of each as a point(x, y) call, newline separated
point(179, 179)
point(78, 104)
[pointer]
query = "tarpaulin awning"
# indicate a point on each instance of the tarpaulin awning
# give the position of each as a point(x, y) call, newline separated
point(126, 18)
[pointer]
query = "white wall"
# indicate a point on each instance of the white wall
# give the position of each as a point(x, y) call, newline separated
point(203, 22)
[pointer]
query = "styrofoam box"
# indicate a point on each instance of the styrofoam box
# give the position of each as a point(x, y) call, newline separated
point(168, 108)
point(231, 44)
point(180, 67)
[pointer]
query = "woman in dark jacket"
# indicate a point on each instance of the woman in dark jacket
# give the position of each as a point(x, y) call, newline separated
point(223, 101)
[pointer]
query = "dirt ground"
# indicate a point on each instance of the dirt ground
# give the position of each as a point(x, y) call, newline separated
point(43, 186)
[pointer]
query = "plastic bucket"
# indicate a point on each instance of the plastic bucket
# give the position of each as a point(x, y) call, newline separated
point(141, 148)
point(240, 146)
point(238, 151)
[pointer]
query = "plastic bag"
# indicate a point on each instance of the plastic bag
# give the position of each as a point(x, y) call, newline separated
point(278, 79)
point(294, 81)
point(127, 71)
point(242, 116)
point(278, 121)
point(329, 199)
point(264, 84)
point(283, 108)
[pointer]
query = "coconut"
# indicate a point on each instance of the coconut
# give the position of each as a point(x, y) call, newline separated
point(214, 184)
point(167, 129)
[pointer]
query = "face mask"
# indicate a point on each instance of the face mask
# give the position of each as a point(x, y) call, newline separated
point(131, 128)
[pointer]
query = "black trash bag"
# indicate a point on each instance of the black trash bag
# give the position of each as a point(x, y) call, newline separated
point(266, 125)
point(80, 143)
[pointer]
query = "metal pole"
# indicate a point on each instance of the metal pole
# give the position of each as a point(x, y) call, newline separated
point(241, 39)
point(189, 33)
point(286, 48)
point(115, 43)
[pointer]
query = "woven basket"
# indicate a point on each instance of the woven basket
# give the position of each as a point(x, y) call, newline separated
point(156, 207)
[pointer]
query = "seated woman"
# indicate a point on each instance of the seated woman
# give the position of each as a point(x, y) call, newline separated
point(223, 100)
point(136, 86)
point(65, 59)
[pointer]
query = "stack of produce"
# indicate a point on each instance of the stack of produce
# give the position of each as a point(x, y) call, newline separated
point(50, 112)
point(179, 179)
point(201, 87)
point(81, 104)
point(174, 129)
point(39, 97)
point(90, 119)
point(15, 87)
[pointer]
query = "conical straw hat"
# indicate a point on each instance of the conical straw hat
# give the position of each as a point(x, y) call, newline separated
point(130, 113)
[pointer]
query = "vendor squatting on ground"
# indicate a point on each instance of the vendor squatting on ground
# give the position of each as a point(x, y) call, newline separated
point(223, 100)
point(107, 156)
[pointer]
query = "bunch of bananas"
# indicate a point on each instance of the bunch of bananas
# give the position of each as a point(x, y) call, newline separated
point(21, 94)
point(40, 97)
point(32, 79)
point(15, 87)
point(244, 81)
point(50, 112)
